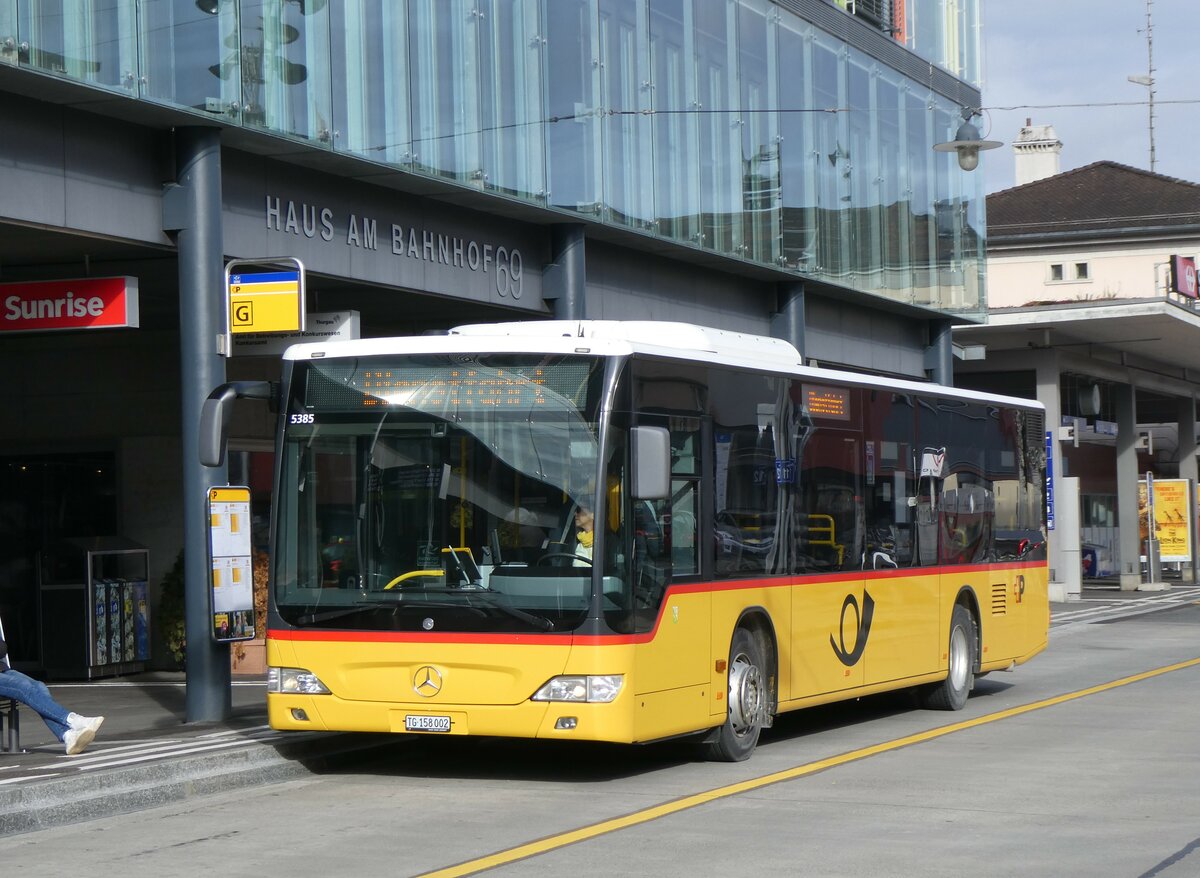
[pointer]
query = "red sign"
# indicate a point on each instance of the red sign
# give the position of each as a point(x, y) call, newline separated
point(89, 303)
point(1183, 275)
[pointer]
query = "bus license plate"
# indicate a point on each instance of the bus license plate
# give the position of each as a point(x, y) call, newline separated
point(416, 722)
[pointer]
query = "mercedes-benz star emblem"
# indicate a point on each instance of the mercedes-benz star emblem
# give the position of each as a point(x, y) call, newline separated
point(427, 682)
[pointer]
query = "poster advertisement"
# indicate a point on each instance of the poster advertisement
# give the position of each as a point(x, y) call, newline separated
point(1172, 520)
point(230, 553)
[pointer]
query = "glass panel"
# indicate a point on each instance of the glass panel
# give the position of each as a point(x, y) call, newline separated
point(285, 67)
point(720, 127)
point(190, 55)
point(572, 104)
point(510, 52)
point(832, 159)
point(945, 32)
point(894, 185)
point(8, 32)
point(444, 86)
point(799, 116)
point(369, 60)
point(676, 124)
point(922, 241)
point(949, 208)
point(759, 130)
point(624, 82)
point(863, 164)
point(88, 40)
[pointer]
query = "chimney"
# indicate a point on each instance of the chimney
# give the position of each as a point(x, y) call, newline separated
point(1037, 150)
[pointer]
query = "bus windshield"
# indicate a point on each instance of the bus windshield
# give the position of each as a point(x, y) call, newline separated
point(438, 492)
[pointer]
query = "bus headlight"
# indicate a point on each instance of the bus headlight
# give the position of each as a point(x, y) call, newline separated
point(596, 689)
point(295, 681)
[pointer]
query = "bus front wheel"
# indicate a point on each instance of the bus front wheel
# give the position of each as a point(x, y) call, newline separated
point(747, 701)
point(951, 693)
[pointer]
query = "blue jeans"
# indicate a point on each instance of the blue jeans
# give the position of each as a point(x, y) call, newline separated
point(34, 694)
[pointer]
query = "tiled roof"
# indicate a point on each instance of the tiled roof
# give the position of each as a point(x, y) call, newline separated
point(1103, 198)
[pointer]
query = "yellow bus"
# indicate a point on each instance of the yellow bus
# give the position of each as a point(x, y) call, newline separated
point(634, 531)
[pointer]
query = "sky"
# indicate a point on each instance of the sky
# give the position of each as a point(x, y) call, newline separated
point(1043, 57)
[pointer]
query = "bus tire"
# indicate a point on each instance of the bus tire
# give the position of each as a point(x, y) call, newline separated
point(747, 701)
point(951, 693)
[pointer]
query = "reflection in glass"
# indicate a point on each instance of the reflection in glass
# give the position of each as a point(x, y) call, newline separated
point(369, 60)
point(720, 136)
point(190, 55)
point(732, 125)
point(572, 105)
point(510, 81)
point(673, 95)
point(88, 41)
point(285, 71)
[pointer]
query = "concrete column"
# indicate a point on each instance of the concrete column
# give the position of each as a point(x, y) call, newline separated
point(1069, 584)
point(192, 209)
point(1127, 488)
point(787, 322)
point(1049, 377)
point(564, 281)
point(1188, 470)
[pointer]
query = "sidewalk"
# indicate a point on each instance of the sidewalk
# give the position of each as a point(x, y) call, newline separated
point(146, 755)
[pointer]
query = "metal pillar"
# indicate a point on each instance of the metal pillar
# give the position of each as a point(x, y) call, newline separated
point(1049, 378)
point(565, 280)
point(1188, 470)
point(939, 356)
point(787, 322)
point(1127, 487)
point(192, 209)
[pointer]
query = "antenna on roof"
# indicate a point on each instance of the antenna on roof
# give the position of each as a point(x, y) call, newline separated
point(1148, 79)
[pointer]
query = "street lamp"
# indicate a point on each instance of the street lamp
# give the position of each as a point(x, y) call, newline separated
point(967, 143)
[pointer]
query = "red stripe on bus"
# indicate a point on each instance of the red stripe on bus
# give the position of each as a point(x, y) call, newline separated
point(326, 636)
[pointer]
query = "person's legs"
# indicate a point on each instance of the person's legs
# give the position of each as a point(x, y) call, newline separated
point(34, 694)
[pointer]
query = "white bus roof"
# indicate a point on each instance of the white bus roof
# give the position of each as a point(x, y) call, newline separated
point(670, 339)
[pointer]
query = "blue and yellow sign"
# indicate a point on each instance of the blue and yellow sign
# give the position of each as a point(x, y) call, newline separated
point(271, 301)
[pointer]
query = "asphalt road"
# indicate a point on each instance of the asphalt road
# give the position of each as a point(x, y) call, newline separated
point(1084, 762)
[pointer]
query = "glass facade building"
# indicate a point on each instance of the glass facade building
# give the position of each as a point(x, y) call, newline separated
point(742, 127)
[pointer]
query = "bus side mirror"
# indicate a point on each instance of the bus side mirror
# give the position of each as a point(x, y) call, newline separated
point(214, 416)
point(651, 463)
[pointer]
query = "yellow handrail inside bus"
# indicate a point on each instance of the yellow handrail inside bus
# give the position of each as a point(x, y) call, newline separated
point(826, 528)
point(413, 573)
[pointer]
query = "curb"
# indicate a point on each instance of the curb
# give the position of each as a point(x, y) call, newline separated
point(65, 800)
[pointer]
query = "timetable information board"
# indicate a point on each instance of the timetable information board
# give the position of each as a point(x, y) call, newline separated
point(232, 569)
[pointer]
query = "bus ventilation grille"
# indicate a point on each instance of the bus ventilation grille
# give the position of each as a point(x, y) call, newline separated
point(999, 599)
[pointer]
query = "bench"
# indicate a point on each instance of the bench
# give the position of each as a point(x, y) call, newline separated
point(10, 715)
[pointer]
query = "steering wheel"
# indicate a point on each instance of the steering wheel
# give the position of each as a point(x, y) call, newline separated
point(571, 555)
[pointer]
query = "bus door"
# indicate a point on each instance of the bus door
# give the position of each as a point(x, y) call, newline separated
point(664, 549)
point(832, 610)
point(905, 639)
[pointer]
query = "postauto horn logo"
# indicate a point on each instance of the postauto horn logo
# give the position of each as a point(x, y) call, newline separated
point(850, 657)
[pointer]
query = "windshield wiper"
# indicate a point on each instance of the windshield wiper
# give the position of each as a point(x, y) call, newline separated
point(339, 612)
point(539, 622)
point(493, 601)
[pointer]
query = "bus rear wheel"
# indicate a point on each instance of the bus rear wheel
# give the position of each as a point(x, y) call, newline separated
point(747, 701)
point(951, 693)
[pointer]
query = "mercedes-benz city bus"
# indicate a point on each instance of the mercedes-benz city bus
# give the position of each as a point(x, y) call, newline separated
point(767, 536)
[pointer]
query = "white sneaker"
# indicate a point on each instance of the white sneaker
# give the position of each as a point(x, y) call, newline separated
point(77, 739)
point(76, 721)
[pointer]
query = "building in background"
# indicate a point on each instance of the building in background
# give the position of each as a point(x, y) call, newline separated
point(1093, 310)
point(760, 166)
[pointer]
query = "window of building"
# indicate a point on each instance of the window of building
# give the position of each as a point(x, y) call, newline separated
point(1081, 271)
point(1056, 271)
